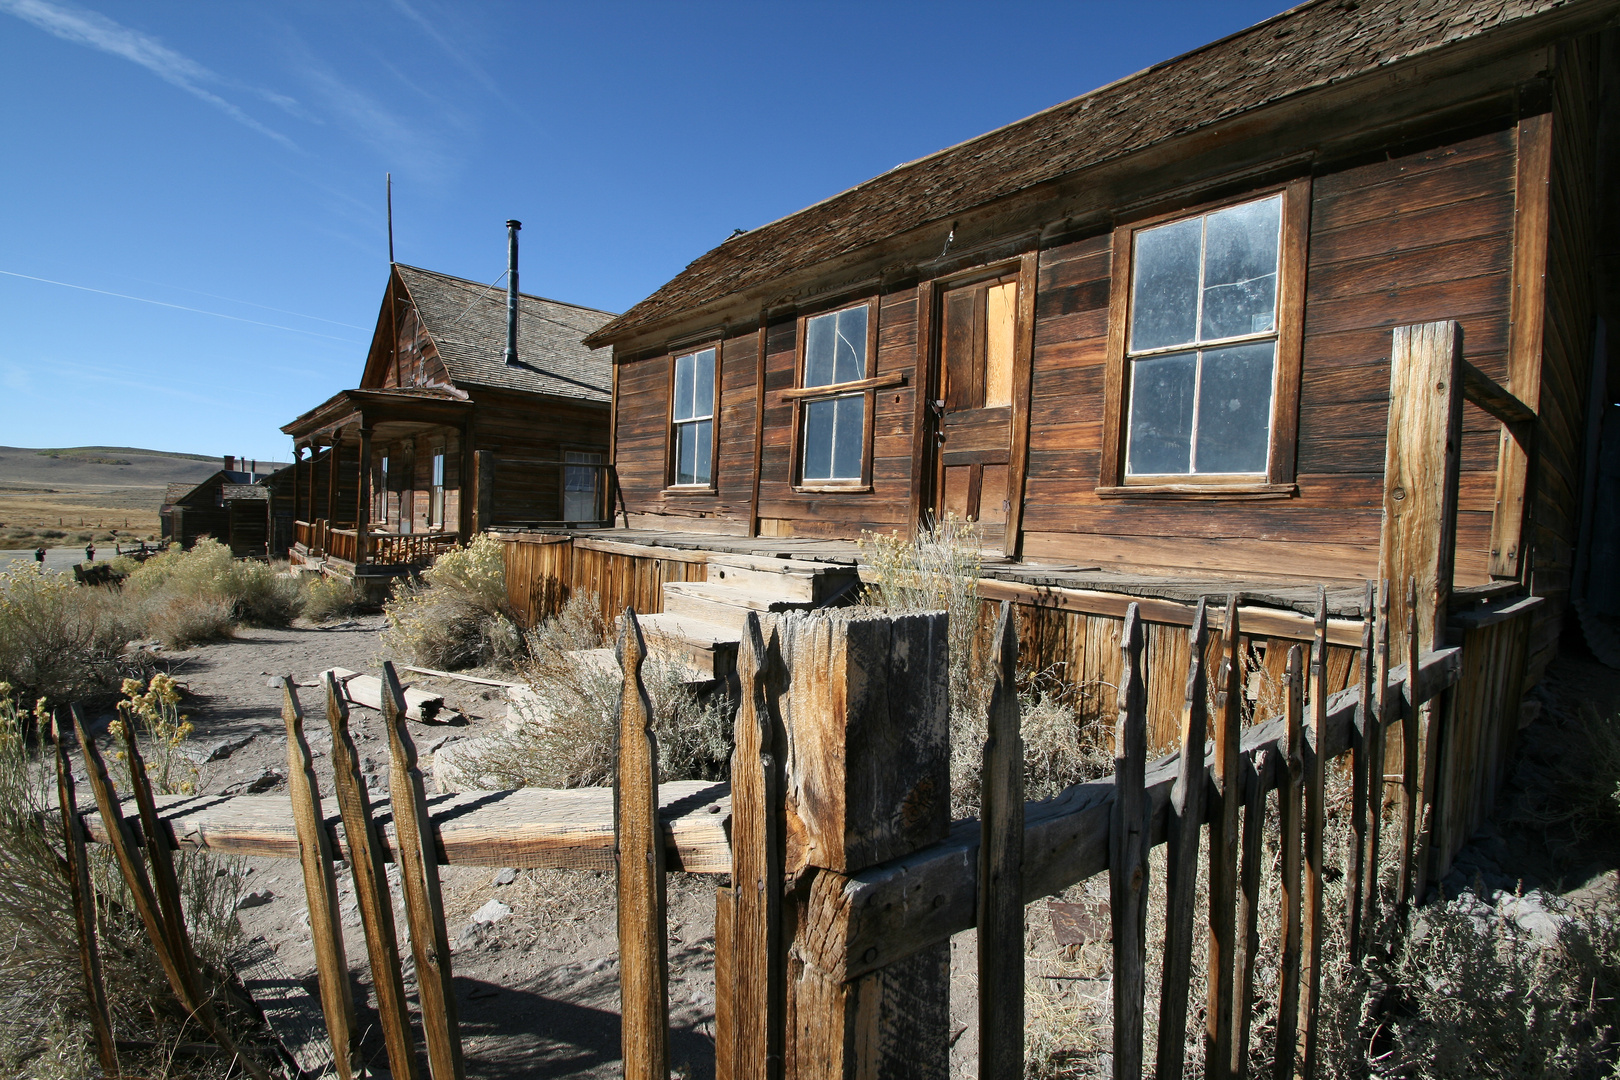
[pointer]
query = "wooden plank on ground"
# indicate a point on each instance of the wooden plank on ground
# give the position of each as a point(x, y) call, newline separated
point(320, 889)
point(643, 952)
point(1184, 829)
point(1001, 867)
point(1128, 853)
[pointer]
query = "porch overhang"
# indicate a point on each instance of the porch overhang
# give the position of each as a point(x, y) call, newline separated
point(402, 409)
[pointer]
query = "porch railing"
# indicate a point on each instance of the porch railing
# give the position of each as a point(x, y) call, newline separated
point(341, 543)
point(413, 549)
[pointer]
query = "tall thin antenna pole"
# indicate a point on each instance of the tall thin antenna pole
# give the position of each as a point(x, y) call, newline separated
point(390, 218)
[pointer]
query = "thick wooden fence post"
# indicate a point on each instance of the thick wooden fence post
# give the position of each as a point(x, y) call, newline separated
point(1185, 827)
point(865, 715)
point(320, 889)
point(418, 858)
point(643, 955)
point(1224, 833)
point(748, 1040)
point(1419, 534)
point(1001, 869)
point(1409, 755)
point(1128, 853)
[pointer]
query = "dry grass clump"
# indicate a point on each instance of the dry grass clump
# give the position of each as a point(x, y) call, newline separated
point(569, 738)
point(201, 594)
point(44, 1030)
point(327, 598)
point(938, 570)
point(57, 639)
point(458, 615)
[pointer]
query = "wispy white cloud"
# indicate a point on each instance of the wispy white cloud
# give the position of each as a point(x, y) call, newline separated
point(392, 136)
point(450, 48)
point(95, 31)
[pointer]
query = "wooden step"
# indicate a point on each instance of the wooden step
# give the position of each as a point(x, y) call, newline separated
point(723, 605)
point(708, 649)
point(788, 579)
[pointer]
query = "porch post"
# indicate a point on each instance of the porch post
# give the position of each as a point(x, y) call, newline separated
point(467, 488)
point(362, 502)
point(333, 452)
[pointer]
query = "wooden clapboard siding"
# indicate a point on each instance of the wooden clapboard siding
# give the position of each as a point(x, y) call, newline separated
point(518, 430)
point(1566, 354)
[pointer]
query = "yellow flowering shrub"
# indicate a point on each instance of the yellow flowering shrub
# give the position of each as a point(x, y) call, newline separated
point(457, 616)
point(155, 710)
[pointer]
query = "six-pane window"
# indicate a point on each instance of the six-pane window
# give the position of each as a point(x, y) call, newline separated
point(1202, 353)
point(835, 426)
point(693, 417)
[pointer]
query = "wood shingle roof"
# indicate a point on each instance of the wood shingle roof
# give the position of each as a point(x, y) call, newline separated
point(1311, 46)
point(467, 322)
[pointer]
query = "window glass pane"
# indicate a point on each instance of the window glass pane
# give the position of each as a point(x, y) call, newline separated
point(703, 383)
point(1164, 296)
point(1240, 269)
point(683, 387)
point(703, 450)
point(818, 439)
point(1161, 414)
point(850, 354)
point(819, 334)
point(685, 454)
point(1234, 408)
point(849, 436)
point(438, 470)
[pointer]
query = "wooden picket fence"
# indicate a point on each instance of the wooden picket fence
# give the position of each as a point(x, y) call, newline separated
point(847, 876)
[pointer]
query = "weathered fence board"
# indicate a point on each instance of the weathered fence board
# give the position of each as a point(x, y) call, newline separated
point(1001, 869)
point(1128, 853)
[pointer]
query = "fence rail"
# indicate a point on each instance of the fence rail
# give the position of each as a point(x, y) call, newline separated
point(410, 549)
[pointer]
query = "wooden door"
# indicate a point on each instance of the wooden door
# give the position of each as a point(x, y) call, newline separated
point(973, 421)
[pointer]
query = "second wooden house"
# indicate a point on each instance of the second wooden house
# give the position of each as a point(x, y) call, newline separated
point(475, 408)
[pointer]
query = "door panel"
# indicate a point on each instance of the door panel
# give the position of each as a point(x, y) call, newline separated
point(977, 336)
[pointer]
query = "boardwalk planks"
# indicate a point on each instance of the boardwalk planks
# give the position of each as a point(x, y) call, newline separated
point(1128, 853)
point(1001, 866)
point(643, 956)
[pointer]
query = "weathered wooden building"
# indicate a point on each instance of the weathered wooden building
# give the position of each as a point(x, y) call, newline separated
point(1149, 330)
point(237, 507)
point(448, 433)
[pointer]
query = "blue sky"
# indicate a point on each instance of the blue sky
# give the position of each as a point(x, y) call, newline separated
point(219, 167)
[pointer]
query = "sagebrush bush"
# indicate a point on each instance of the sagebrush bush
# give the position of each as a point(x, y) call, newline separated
point(198, 594)
point(329, 598)
point(44, 1029)
point(458, 615)
point(570, 741)
point(59, 640)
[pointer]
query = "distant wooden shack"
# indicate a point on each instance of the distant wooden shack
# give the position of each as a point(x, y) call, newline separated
point(445, 435)
point(237, 507)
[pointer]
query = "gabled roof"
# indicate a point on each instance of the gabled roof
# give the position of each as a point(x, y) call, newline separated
point(1307, 47)
point(467, 322)
point(177, 493)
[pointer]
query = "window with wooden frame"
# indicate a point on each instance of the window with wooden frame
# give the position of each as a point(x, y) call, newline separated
point(691, 419)
point(436, 491)
point(1205, 339)
point(834, 397)
point(379, 496)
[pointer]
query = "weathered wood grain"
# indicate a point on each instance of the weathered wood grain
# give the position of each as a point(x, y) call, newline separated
point(366, 865)
point(1248, 942)
point(1290, 798)
point(1377, 741)
point(1000, 914)
point(758, 960)
point(726, 1018)
point(643, 938)
point(320, 889)
point(1312, 933)
point(1224, 836)
point(1360, 754)
point(419, 880)
point(76, 870)
point(1128, 853)
point(1409, 762)
point(1184, 830)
